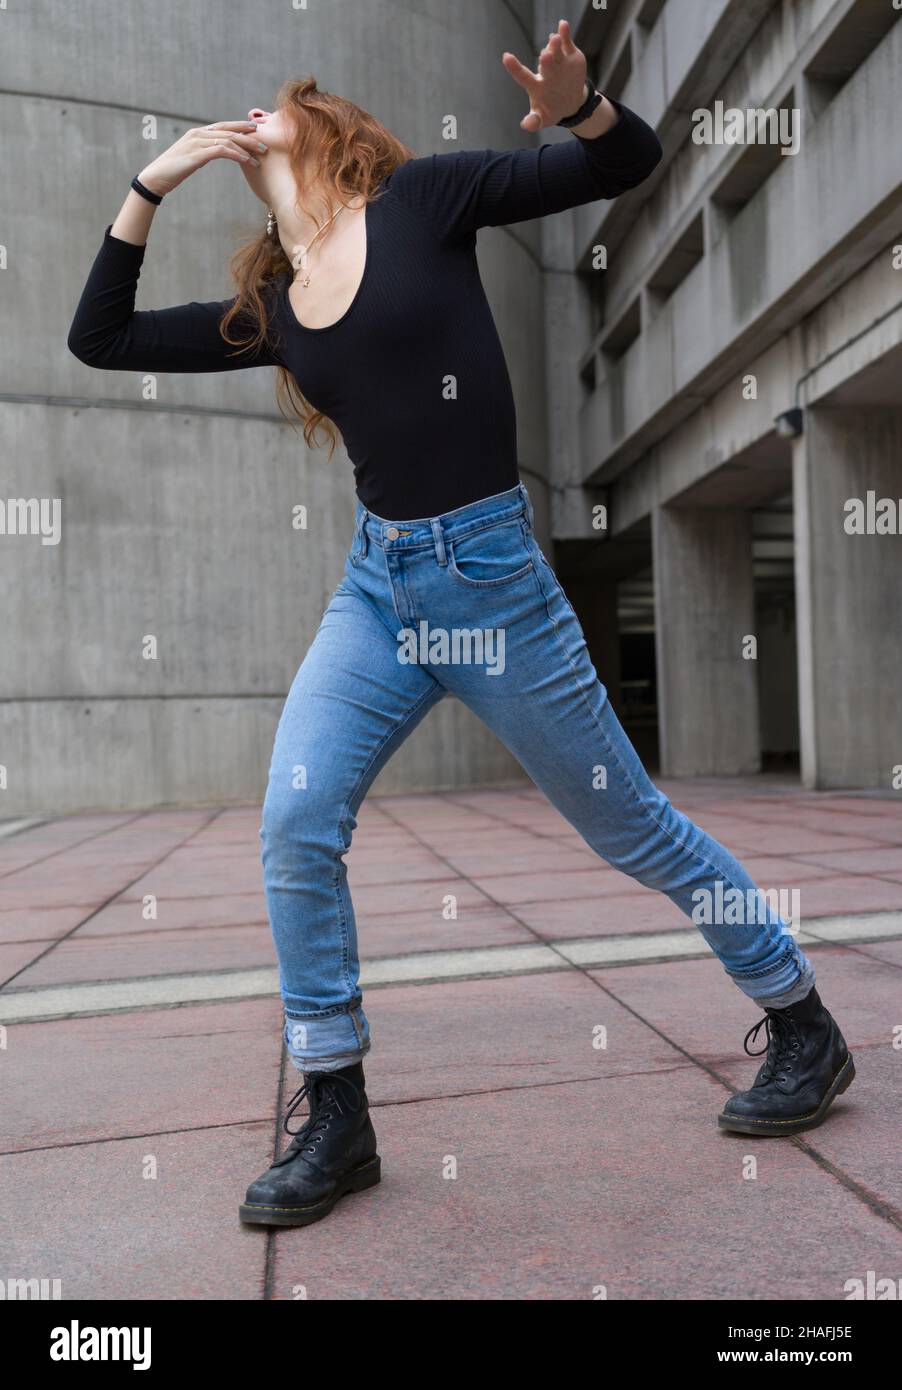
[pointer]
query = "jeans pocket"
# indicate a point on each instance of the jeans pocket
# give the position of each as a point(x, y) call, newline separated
point(493, 555)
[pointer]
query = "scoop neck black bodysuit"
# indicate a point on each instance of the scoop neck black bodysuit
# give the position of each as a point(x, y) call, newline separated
point(413, 374)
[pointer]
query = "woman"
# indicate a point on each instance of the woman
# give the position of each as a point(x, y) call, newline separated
point(363, 289)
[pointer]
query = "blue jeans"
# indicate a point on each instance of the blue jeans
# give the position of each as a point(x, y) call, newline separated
point(467, 604)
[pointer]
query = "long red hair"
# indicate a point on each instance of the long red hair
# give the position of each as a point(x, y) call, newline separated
point(349, 151)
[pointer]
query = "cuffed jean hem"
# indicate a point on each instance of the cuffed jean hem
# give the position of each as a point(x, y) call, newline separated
point(803, 986)
point(327, 1063)
point(327, 1044)
point(785, 982)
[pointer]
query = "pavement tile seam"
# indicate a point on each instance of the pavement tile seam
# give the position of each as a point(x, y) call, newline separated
point(728, 1059)
point(441, 1097)
point(189, 929)
point(841, 872)
point(185, 834)
point(694, 1060)
point(64, 849)
point(269, 1254)
point(511, 908)
point(141, 1134)
point(489, 898)
point(854, 948)
point(880, 1208)
point(691, 1063)
point(878, 1205)
point(109, 900)
point(591, 858)
point(287, 1083)
point(628, 888)
point(710, 1063)
point(525, 830)
point(199, 897)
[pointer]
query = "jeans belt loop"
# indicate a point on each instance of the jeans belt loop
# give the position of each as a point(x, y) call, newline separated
point(361, 534)
point(439, 539)
point(530, 517)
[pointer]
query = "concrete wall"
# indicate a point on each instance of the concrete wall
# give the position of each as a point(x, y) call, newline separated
point(177, 512)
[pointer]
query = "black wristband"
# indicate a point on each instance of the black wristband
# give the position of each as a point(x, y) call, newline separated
point(592, 102)
point(138, 186)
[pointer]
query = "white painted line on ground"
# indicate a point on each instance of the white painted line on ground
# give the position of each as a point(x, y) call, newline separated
point(13, 827)
point(448, 965)
point(664, 945)
point(863, 926)
point(114, 996)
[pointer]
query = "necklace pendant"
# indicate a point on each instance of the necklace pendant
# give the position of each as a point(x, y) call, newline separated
point(305, 282)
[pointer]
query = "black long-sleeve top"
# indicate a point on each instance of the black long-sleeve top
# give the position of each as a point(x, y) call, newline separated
point(413, 374)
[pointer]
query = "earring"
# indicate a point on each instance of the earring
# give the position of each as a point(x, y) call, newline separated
point(270, 222)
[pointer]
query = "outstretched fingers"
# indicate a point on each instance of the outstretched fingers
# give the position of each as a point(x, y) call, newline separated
point(530, 83)
point(519, 72)
point(566, 34)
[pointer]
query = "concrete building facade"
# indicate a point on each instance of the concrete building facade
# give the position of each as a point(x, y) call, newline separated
point(737, 397)
point(652, 342)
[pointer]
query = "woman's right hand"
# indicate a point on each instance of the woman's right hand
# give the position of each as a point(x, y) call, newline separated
point(223, 140)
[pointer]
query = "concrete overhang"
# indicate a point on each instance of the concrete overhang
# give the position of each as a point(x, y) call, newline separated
point(790, 248)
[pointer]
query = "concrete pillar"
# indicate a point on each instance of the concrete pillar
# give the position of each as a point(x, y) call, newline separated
point(704, 606)
point(849, 596)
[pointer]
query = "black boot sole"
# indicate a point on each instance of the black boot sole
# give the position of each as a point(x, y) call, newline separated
point(740, 1124)
point(357, 1180)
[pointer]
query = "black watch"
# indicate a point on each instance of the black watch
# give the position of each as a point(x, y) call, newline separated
point(592, 102)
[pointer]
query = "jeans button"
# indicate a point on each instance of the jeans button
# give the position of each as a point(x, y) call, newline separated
point(392, 533)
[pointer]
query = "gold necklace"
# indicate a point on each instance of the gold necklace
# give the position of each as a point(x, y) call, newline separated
point(306, 281)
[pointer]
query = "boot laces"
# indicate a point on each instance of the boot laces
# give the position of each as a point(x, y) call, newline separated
point(324, 1090)
point(782, 1045)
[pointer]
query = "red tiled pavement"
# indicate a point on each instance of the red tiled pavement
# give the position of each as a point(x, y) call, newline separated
point(462, 1036)
point(67, 1081)
point(143, 955)
point(694, 1004)
point(89, 1216)
point(476, 925)
point(623, 1183)
point(578, 1165)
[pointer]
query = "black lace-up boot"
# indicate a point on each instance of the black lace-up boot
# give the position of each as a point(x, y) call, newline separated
point(807, 1066)
point(334, 1152)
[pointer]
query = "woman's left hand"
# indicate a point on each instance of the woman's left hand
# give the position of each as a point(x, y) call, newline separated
point(558, 89)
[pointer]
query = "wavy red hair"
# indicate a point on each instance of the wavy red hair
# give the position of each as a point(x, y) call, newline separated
point(350, 152)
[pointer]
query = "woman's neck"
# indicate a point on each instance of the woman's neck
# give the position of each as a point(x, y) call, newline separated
point(300, 211)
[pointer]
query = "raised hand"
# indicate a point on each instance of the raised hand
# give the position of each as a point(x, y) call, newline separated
point(558, 89)
point(223, 140)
